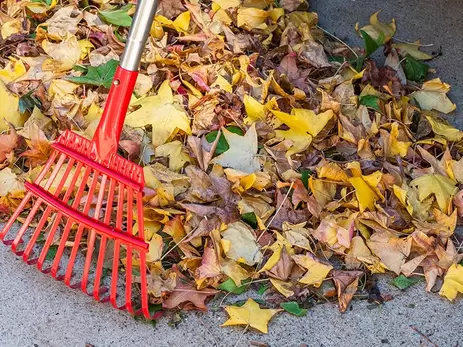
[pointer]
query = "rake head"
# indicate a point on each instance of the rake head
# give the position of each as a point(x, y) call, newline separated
point(80, 226)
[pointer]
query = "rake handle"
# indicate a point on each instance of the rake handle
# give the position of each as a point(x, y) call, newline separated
point(108, 132)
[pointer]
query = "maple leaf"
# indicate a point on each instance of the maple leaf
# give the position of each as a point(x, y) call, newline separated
point(453, 282)
point(186, 294)
point(240, 244)
point(250, 314)
point(433, 96)
point(346, 283)
point(316, 271)
point(38, 153)
point(242, 154)
point(7, 144)
point(162, 113)
point(443, 188)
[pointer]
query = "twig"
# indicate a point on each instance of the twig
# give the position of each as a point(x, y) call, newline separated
point(423, 335)
point(338, 39)
point(241, 336)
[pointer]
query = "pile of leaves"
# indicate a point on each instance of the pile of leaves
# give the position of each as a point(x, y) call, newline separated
point(275, 155)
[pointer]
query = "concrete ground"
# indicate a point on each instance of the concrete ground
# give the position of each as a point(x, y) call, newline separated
point(40, 312)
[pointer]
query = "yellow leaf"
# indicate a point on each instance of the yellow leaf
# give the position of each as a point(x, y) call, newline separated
point(243, 243)
point(65, 54)
point(413, 49)
point(176, 154)
point(333, 172)
point(390, 249)
point(242, 154)
point(10, 28)
point(12, 70)
point(305, 120)
point(227, 3)
point(401, 194)
point(274, 258)
point(440, 186)
point(161, 111)
point(254, 109)
point(366, 190)
point(375, 28)
point(453, 282)
point(85, 47)
point(40, 7)
point(316, 271)
point(223, 84)
point(156, 245)
point(304, 125)
point(9, 109)
point(180, 24)
point(250, 314)
point(234, 271)
point(283, 287)
point(446, 131)
point(10, 182)
point(61, 87)
point(397, 147)
point(252, 18)
point(433, 96)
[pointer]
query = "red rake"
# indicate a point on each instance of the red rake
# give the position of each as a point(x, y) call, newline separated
point(77, 172)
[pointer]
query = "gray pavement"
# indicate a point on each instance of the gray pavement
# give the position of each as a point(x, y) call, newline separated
point(38, 311)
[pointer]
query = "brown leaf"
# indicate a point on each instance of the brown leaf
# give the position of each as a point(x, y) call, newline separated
point(38, 154)
point(286, 212)
point(346, 283)
point(186, 295)
point(171, 8)
point(283, 268)
point(8, 143)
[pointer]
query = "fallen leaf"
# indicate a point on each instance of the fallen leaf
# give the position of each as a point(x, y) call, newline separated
point(316, 271)
point(346, 283)
point(240, 244)
point(453, 282)
point(242, 154)
point(433, 96)
point(250, 314)
point(443, 188)
point(168, 119)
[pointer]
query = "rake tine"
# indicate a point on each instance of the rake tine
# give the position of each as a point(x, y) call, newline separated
point(141, 233)
point(117, 244)
point(128, 268)
point(54, 227)
point(101, 253)
point(69, 223)
point(35, 208)
point(27, 197)
point(92, 236)
point(44, 218)
point(80, 230)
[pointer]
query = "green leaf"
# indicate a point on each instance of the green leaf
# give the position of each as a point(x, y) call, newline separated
point(118, 17)
point(371, 101)
point(293, 308)
point(415, 70)
point(222, 145)
point(370, 45)
point(262, 289)
point(51, 254)
point(250, 218)
point(27, 102)
point(98, 76)
point(230, 286)
point(305, 175)
point(403, 282)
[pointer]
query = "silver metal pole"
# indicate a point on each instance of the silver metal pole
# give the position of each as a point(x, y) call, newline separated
point(138, 34)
